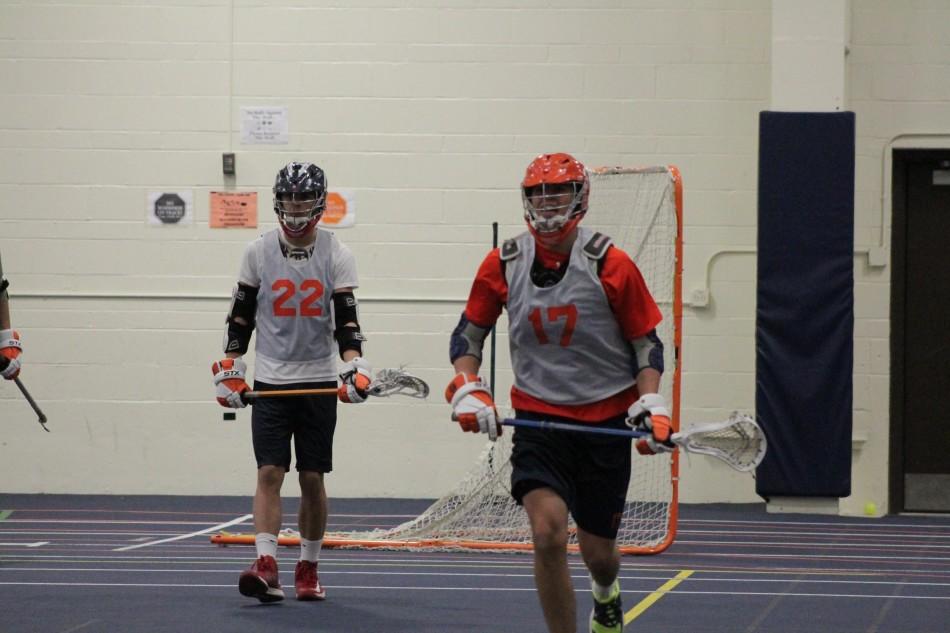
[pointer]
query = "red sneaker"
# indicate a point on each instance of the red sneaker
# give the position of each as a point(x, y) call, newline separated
point(260, 580)
point(307, 583)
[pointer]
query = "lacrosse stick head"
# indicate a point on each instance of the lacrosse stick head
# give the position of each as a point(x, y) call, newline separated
point(738, 441)
point(397, 382)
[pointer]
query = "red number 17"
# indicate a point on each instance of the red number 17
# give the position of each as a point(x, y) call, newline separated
point(554, 313)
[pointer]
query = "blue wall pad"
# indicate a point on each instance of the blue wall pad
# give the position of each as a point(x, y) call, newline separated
point(804, 330)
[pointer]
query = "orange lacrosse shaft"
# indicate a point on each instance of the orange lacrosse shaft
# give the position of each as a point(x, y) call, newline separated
point(256, 395)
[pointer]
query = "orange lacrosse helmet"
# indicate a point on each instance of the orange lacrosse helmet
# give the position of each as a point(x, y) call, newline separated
point(555, 191)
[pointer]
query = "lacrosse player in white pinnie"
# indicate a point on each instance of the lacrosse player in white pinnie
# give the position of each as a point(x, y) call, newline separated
point(584, 350)
point(295, 288)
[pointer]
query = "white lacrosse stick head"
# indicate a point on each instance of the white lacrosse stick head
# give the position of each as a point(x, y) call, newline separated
point(397, 382)
point(738, 441)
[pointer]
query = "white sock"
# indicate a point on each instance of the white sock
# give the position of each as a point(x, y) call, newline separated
point(603, 594)
point(310, 550)
point(266, 544)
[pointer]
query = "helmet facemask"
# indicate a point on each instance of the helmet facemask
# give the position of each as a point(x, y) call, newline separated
point(552, 210)
point(298, 212)
point(300, 197)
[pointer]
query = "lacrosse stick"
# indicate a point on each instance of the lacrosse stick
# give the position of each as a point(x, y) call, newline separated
point(388, 382)
point(738, 441)
point(36, 407)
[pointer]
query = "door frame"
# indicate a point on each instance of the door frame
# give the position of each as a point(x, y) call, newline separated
point(901, 158)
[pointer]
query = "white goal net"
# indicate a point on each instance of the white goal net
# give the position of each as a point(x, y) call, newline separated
point(640, 208)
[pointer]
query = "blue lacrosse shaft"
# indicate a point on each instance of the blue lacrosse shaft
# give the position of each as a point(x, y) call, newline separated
point(577, 428)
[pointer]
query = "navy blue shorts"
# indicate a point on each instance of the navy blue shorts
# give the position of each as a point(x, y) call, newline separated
point(309, 420)
point(589, 472)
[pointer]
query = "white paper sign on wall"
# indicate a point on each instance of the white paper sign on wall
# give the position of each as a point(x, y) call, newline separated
point(264, 125)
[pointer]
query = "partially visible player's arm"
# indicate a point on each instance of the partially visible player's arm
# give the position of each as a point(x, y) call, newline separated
point(10, 346)
point(467, 365)
point(348, 334)
point(4, 311)
point(638, 316)
point(356, 375)
point(487, 297)
point(4, 301)
point(650, 412)
point(240, 320)
point(243, 309)
point(230, 373)
point(471, 398)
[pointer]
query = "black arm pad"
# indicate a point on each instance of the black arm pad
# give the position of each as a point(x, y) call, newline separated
point(237, 338)
point(4, 284)
point(346, 317)
point(344, 308)
point(240, 319)
point(349, 337)
point(243, 303)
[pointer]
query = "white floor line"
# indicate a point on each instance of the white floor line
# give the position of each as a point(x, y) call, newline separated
point(331, 573)
point(36, 544)
point(184, 536)
point(335, 587)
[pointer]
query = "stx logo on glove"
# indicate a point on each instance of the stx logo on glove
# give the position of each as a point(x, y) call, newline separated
point(10, 350)
point(229, 382)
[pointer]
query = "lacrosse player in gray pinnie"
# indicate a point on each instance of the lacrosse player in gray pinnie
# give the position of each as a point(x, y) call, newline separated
point(584, 350)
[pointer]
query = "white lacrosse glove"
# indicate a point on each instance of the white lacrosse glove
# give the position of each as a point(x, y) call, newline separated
point(472, 405)
point(649, 413)
point(355, 379)
point(10, 350)
point(229, 382)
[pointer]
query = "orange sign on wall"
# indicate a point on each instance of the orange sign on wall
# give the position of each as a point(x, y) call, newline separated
point(233, 209)
point(340, 212)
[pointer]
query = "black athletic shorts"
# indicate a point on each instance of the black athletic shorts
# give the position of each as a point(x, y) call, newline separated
point(310, 420)
point(590, 472)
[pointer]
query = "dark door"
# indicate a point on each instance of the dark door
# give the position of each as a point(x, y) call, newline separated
point(925, 336)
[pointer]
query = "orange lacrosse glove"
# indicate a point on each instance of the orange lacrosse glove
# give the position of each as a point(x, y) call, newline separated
point(229, 382)
point(473, 406)
point(10, 350)
point(355, 380)
point(649, 413)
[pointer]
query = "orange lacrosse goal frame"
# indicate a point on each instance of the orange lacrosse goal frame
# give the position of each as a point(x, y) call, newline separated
point(641, 209)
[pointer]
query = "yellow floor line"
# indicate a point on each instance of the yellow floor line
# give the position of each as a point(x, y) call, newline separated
point(656, 595)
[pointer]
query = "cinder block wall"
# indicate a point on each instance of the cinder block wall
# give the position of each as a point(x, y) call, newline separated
point(428, 113)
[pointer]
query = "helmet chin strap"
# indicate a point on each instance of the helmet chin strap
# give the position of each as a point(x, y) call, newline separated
point(553, 238)
point(302, 231)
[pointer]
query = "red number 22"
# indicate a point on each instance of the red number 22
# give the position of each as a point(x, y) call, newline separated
point(287, 289)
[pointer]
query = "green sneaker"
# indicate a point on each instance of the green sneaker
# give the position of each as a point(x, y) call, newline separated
point(607, 616)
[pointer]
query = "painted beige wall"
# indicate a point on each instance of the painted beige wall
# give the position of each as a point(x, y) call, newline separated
point(899, 87)
point(429, 112)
